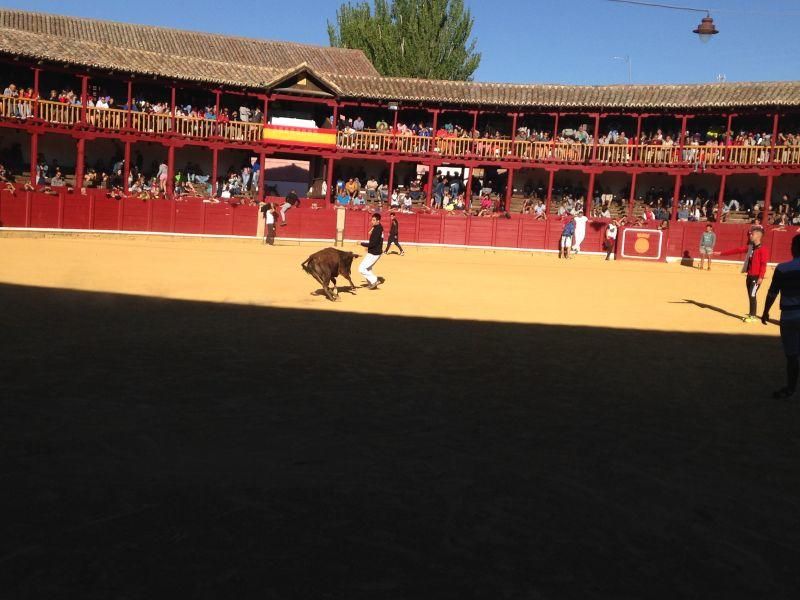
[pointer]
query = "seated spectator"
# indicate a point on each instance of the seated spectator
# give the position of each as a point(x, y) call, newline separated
point(57, 179)
point(371, 188)
point(683, 213)
point(395, 202)
point(540, 211)
point(342, 198)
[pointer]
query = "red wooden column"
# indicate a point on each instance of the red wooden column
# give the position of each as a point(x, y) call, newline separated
point(34, 156)
point(775, 121)
point(330, 195)
point(391, 179)
point(84, 96)
point(80, 163)
point(434, 128)
point(472, 140)
point(632, 195)
point(514, 118)
point(676, 196)
point(262, 175)
point(721, 198)
point(682, 141)
point(172, 108)
point(126, 169)
point(549, 200)
point(468, 200)
point(214, 171)
point(265, 120)
point(130, 105)
point(635, 155)
point(36, 92)
point(170, 169)
point(431, 170)
point(555, 136)
point(727, 151)
point(394, 121)
point(509, 190)
point(587, 206)
point(596, 136)
point(767, 200)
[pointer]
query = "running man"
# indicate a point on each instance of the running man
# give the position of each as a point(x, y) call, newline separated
point(566, 239)
point(707, 242)
point(374, 251)
point(755, 266)
point(394, 229)
point(580, 231)
point(786, 282)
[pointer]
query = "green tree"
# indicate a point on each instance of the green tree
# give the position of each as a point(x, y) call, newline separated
point(428, 39)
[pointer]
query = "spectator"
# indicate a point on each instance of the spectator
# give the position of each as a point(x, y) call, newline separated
point(358, 124)
point(707, 242)
point(580, 222)
point(566, 239)
point(610, 241)
point(540, 211)
point(291, 201)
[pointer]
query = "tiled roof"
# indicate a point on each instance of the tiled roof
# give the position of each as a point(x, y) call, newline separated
point(250, 63)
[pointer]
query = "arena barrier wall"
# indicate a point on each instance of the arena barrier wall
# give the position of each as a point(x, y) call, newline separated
point(96, 212)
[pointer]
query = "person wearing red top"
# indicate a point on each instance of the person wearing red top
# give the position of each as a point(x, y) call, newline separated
point(755, 268)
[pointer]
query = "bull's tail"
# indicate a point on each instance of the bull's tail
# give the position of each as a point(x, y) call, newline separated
point(305, 265)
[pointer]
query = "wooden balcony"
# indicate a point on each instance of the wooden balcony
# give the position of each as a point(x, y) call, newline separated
point(379, 143)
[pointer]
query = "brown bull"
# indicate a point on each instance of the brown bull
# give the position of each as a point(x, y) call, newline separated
point(326, 265)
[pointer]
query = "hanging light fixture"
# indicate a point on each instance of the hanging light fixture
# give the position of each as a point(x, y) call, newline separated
point(704, 31)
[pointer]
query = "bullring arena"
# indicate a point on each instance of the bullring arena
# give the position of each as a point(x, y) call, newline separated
point(186, 415)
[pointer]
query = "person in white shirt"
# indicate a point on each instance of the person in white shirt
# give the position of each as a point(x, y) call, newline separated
point(539, 210)
point(269, 217)
point(580, 231)
point(611, 239)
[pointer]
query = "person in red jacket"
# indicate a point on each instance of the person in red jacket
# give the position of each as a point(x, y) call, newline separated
point(755, 266)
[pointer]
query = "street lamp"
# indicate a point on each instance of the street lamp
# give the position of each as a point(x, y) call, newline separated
point(704, 30)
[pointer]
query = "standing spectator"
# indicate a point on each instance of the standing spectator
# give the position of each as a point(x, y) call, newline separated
point(268, 210)
point(786, 282)
point(291, 201)
point(755, 268)
point(374, 252)
point(394, 230)
point(358, 124)
point(566, 239)
point(580, 231)
point(610, 239)
point(162, 177)
point(707, 242)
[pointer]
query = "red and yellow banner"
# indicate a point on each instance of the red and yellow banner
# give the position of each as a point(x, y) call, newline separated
point(298, 135)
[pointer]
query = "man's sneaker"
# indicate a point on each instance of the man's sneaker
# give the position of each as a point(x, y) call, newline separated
point(749, 319)
point(402, 253)
point(372, 286)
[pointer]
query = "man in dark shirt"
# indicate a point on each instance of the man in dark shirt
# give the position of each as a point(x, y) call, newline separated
point(374, 251)
point(394, 230)
point(786, 282)
point(291, 201)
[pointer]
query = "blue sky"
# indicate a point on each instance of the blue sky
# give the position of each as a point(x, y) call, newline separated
point(544, 41)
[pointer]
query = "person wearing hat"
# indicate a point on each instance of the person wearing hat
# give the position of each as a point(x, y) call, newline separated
point(754, 267)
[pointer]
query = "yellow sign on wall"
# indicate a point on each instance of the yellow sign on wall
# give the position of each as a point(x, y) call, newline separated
point(298, 135)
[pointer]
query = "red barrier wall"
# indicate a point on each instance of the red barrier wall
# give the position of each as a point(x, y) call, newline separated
point(98, 212)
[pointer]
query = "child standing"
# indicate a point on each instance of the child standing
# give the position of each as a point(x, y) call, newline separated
point(707, 242)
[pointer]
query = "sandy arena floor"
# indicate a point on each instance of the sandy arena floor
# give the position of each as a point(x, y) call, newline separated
point(426, 282)
point(188, 419)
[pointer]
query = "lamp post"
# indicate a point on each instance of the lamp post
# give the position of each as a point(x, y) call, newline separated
point(627, 60)
point(705, 30)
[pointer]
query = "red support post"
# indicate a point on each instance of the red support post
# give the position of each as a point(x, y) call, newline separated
point(595, 136)
point(549, 200)
point(394, 122)
point(130, 105)
point(172, 108)
point(126, 169)
point(265, 120)
point(767, 200)
point(34, 156)
point(214, 171)
point(775, 121)
point(635, 155)
point(262, 176)
point(509, 190)
point(84, 96)
point(555, 136)
point(632, 195)
point(391, 180)
point(468, 200)
point(330, 196)
point(587, 206)
point(434, 128)
point(36, 73)
point(170, 169)
point(80, 163)
point(429, 199)
point(721, 197)
point(727, 152)
point(682, 140)
point(676, 196)
point(513, 133)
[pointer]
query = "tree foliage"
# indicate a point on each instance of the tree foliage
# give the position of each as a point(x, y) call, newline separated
point(428, 39)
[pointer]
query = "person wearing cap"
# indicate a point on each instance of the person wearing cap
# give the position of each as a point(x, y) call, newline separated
point(754, 267)
point(786, 282)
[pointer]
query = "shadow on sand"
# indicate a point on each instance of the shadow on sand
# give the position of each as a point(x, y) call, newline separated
point(155, 448)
